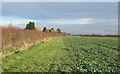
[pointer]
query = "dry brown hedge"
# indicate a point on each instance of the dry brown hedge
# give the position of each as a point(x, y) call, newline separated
point(13, 37)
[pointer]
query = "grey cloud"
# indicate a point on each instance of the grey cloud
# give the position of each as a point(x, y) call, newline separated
point(60, 10)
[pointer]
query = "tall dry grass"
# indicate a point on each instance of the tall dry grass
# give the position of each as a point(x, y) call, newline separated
point(13, 37)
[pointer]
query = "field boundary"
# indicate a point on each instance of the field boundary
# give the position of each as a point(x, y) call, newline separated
point(26, 46)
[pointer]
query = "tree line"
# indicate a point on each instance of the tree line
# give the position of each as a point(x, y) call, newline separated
point(31, 26)
point(51, 30)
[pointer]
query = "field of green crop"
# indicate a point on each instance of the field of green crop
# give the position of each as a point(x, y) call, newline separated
point(67, 54)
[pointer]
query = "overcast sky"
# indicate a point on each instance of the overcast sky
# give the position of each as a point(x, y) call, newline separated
point(71, 17)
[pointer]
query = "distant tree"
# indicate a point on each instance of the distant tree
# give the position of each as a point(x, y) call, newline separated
point(30, 26)
point(44, 29)
point(58, 30)
point(37, 28)
point(53, 30)
point(27, 26)
point(49, 30)
point(68, 34)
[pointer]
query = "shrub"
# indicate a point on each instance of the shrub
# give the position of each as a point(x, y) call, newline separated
point(44, 29)
point(58, 30)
